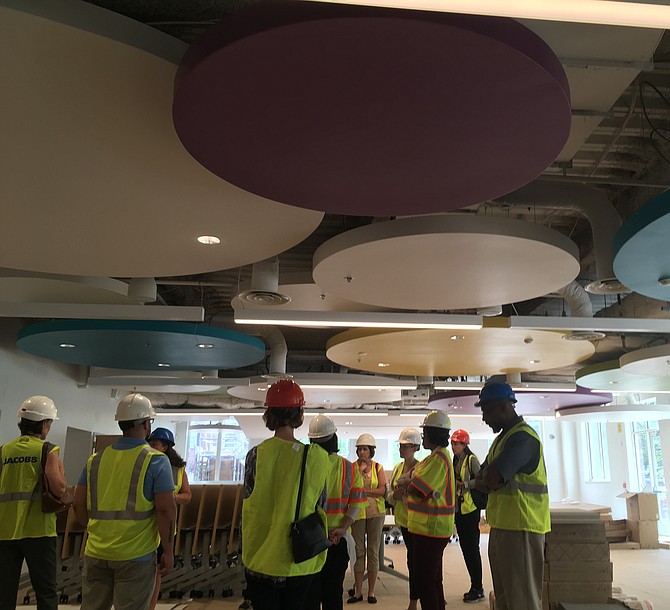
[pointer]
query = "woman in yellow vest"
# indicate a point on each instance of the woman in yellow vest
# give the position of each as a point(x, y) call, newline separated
point(162, 440)
point(25, 531)
point(430, 510)
point(271, 480)
point(410, 443)
point(371, 523)
point(466, 468)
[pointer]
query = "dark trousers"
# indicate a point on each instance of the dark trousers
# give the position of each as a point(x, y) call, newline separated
point(40, 556)
point(428, 570)
point(408, 538)
point(467, 527)
point(288, 594)
point(327, 588)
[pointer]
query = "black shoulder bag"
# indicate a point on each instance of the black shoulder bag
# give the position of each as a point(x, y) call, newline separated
point(480, 498)
point(308, 536)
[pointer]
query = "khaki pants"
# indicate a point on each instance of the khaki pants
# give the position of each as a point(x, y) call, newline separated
point(517, 563)
point(126, 584)
point(371, 527)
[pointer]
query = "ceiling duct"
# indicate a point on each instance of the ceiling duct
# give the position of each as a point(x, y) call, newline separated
point(580, 306)
point(265, 285)
point(595, 207)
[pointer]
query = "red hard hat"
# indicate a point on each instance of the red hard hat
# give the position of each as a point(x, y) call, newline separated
point(284, 393)
point(460, 436)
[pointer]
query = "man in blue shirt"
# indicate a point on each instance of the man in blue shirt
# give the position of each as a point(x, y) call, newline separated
point(125, 495)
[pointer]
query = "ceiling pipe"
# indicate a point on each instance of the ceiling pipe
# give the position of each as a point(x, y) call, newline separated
point(577, 299)
point(594, 206)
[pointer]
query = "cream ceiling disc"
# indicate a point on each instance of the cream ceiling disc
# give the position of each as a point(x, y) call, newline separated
point(93, 179)
point(609, 377)
point(27, 287)
point(321, 389)
point(451, 261)
point(488, 351)
point(653, 361)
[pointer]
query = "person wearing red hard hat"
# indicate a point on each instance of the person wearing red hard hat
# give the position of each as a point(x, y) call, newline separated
point(271, 483)
point(515, 478)
point(468, 514)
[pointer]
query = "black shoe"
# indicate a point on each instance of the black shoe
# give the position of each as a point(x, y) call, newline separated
point(353, 599)
point(474, 595)
point(351, 592)
point(372, 599)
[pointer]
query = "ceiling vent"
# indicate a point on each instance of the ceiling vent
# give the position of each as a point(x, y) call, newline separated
point(584, 335)
point(415, 398)
point(265, 285)
point(610, 285)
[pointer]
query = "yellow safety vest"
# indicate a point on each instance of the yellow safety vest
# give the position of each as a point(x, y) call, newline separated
point(178, 478)
point(467, 503)
point(432, 513)
point(122, 523)
point(345, 488)
point(267, 514)
point(374, 483)
point(522, 504)
point(21, 513)
point(400, 507)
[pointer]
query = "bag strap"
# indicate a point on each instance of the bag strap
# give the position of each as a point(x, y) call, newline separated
point(46, 447)
point(302, 478)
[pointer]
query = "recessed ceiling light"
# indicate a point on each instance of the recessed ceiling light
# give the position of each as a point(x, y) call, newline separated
point(205, 345)
point(383, 364)
point(664, 281)
point(209, 240)
point(348, 423)
point(544, 396)
point(456, 337)
point(534, 361)
point(163, 364)
point(67, 345)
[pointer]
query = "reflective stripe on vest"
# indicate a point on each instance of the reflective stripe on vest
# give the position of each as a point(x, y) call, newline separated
point(522, 504)
point(345, 488)
point(433, 514)
point(130, 513)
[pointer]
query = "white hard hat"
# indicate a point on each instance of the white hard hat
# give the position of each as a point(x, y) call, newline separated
point(321, 426)
point(437, 419)
point(366, 439)
point(410, 436)
point(37, 408)
point(134, 406)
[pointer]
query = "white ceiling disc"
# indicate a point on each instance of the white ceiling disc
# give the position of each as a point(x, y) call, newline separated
point(450, 261)
point(652, 361)
point(93, 178)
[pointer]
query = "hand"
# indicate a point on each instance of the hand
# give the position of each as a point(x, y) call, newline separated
point(166, 564)
point(460, 485)
point(335, 535)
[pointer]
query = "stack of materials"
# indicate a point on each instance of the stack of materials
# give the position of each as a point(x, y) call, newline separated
point(642, 518)
point(619, 598)
point(618, 533)
point(577, 560)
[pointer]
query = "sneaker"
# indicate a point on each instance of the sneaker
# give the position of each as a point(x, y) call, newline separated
point(474, 595)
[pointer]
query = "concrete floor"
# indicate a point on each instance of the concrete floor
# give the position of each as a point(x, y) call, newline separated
point(640, 573)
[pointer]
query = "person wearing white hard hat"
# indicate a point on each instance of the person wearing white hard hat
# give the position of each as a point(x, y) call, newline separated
point(431, 505)
point(410, 442)
point(370, 523)
point(26, 533)
point(272, 480)
point(125, 497)
point(346, 496)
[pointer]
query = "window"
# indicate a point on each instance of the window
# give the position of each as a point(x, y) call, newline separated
point(596, 452)
point(216, 451)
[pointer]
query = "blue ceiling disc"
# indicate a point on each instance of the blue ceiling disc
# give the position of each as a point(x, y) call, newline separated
point(141, 345)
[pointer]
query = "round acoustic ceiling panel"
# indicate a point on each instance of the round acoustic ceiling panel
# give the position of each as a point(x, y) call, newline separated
point(609, 376)
point(140, 345)
point(325, 389)
point(371, 111)
point(488, 351)
point(652, 361)
point(24, 286)
point(93, 178)
point(528, 403)
point(640, 250)
point(449, 261)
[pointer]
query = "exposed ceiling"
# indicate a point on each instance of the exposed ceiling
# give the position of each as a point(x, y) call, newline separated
point(97, 185)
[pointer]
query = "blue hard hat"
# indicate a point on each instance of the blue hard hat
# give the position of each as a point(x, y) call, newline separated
point(496, 390)
point(162, 434)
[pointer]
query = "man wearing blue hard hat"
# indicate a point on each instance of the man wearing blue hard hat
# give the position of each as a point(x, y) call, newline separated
point(515, 478)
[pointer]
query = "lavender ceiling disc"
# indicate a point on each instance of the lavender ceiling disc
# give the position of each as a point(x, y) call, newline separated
point(361, 110)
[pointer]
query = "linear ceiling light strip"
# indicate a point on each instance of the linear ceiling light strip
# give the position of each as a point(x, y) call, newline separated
point(600, 12)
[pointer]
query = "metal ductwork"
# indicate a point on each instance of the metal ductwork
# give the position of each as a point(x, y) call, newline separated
point(265, 285)
point(595, 207)
point(580, 306)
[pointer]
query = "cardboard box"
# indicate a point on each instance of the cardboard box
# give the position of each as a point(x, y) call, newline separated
point(585, 571)
point(644, 532)
point(641, 506)
point(577, 552)
point(591, 592)
point(584, 533)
